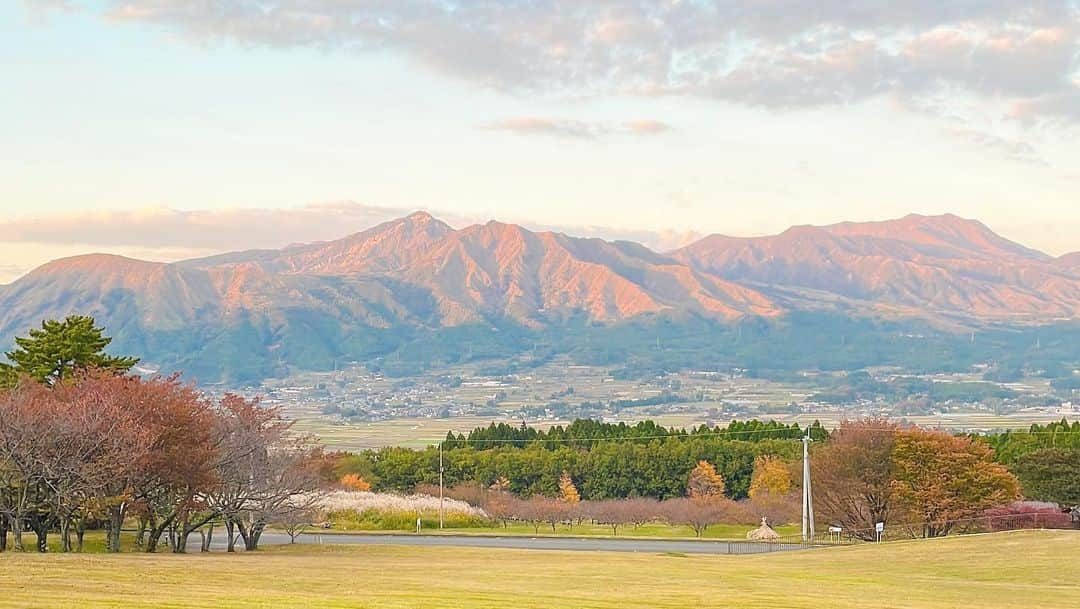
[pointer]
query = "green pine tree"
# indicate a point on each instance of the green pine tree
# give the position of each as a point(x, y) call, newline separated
point(60, 348)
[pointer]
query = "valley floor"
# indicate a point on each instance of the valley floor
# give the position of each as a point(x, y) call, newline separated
point(1032, 569)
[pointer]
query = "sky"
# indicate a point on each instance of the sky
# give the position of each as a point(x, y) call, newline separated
point(166, 129)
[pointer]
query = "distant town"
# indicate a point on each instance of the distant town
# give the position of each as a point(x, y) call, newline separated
point(353, 407)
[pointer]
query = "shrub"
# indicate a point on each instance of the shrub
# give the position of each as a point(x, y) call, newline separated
point(1025, 515)
point(353, 482)
point(388, 512)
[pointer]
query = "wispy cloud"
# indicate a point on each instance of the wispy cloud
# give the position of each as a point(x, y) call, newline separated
point(1016, 150)
point(239, 228)
point(168, 235)
point(1019, 54)
point(646, 127)
point(568, 128)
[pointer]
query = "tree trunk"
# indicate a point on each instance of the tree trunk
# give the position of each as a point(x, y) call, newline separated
point(41, 529)
point(174, 541)
point(182, 536)
point(251, 536)
point(140, 535)
point(3, 533)
point(182, 532)
point(16, 530)
point(39, 523)
point(230, 530)
point(65, 534)
point(116, 520)
point(156, 530)
point(207, 537)
point(80, 532)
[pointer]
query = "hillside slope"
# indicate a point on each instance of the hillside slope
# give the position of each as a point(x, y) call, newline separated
point(924, 265)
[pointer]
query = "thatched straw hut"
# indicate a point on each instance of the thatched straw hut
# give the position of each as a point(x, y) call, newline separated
point(763, 532)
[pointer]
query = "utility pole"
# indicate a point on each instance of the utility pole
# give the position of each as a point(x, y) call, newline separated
point(807, 495)
point(440, 486)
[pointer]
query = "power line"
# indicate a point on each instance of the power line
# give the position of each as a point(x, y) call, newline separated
point(726, 432)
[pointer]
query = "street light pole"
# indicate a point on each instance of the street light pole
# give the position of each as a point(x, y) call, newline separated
point(440, 486)
point(807, 498)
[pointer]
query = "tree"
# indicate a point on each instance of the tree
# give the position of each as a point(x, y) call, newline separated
point(267, 475)
point(24, 413)
point(58, 349)
point(182, 466)
point(704, 481)
point(296, 520)
point(777, 509)
point(853, 476)
point(532, 510)
point(942, 480)
point(697, 514)
point(67, 453)
point(1051, 475)
point(771, 477)
point(568, 493)
point(611, 512)
point(353, 482)
point(91, 438)
point(554, 511)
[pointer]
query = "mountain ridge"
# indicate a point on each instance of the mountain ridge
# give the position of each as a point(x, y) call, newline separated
point(356, 296)
point(936, 264)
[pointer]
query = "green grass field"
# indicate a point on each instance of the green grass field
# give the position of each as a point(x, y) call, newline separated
point(1026, 569)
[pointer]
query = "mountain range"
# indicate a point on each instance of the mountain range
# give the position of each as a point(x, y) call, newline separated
point(249, 314)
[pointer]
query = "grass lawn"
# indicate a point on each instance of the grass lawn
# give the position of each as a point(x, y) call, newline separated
point(1025, 569)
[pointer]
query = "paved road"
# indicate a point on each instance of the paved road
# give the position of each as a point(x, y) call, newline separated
point(653, 546)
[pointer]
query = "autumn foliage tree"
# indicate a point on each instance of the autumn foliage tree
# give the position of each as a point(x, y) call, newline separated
point(853, 476)
point(704, 482)
point(353, 482)
point(568, 493)
point(941, 480)
point(771, 477)
point(102, 446)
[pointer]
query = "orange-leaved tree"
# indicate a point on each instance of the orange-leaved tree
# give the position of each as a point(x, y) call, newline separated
point(771, 476)
point(568, 493)
point(353, 482)
point(941, 480)
point(705, 482)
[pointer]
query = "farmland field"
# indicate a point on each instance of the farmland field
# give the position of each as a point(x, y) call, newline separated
point(420, 432)
point(1036, 569)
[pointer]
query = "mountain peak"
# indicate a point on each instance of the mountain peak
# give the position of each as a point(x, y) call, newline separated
point(945, 234)
point(420, 217)
point(91, 263)
point(1070, 260)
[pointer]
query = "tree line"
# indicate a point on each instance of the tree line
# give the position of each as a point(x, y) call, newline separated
point(929, 482)
point(585, 433)
point(705, 504)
